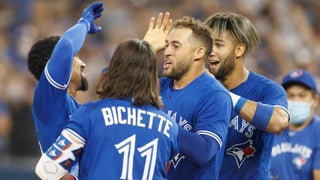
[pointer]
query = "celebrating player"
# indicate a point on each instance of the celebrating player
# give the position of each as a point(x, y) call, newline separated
point(298, 147)
point(259, 103)
point(197, 101)
point(124, 135)
point(55, 63)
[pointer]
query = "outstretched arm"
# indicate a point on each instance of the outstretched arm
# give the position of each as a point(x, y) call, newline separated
point(157, 33)
point(59, 66)
point(271, 118)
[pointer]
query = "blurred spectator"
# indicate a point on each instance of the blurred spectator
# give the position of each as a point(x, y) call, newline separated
point(23, 140)
point(5, 128)
point(298, 147)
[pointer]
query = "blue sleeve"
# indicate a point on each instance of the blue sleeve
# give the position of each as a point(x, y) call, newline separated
point(59, 66)
point(80, 122)
point(214, 115)
point(199, 149)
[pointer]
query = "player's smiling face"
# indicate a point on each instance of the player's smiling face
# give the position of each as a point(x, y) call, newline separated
point(222, 58)
point(178, 53)
point(78, 78)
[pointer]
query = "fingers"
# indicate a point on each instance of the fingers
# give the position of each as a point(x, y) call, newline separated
point(168, 26)
point(97, 16)
point(151, 23)
point(163, 23)
point(159, 21)
point(98, 8)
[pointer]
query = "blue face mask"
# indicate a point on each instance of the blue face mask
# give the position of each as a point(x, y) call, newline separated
point(299, 111)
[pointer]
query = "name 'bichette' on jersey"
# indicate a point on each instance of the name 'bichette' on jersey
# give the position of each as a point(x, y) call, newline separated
point(125, 141)
point(193, 108)
point(248, 149)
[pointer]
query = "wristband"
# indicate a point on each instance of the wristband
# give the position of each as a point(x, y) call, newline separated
point(262, 116)
point(237, 101)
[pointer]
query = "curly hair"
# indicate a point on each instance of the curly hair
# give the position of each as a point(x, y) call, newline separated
point(40, 53)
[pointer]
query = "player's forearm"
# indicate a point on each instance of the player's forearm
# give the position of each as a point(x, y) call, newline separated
point(76, 35)
point(60, 63)
point(271, 118)
point(276, 117)
point(197, 148)
point(57, 160)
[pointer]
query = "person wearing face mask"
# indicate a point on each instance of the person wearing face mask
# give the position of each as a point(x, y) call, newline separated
point(296, 152)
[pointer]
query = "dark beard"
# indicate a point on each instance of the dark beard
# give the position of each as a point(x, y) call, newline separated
point(222, 74)
point(226, 69)
point(84, 83)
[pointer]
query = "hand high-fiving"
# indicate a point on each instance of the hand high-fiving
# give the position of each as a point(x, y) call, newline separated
point(89, 14)
point(157, 33)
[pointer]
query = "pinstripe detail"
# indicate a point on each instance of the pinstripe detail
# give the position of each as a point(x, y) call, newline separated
point(75, 135)
point(52, 82)
point(211, 134)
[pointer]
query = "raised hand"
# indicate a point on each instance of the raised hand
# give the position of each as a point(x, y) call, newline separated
point(89, 14)
point(157, 33)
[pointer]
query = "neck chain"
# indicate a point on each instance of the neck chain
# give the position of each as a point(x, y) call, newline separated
point(246, 76)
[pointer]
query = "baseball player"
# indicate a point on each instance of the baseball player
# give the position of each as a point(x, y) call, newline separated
point(55, 63)
point(259, 103)
point(198, 102)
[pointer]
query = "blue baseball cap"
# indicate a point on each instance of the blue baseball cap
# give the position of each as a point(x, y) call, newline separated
point(299, 76)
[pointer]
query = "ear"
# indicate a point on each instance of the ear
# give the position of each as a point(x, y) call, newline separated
point(199, 52)
point(315, 100)
point(240, 50)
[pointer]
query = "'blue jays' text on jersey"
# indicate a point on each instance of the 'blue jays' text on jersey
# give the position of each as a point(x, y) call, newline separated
point(248, 149)
point(295, 154)
point(124, 141)
point(52, 106)
point(203, 107)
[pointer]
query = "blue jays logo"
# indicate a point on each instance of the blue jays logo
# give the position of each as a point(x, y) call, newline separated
point(241, 151)
point(175, 161)
point(299, 162)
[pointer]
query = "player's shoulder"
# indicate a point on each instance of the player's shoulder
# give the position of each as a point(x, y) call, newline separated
point(210, 83)
point(262, 82)
point(93, 104)
point(261, 79)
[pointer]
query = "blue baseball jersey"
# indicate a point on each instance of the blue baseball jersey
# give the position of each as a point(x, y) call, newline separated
point(51, 110)
point(295, 154)
point(197, 108)
point(248, 149)
point(52, 105)
point(124, 141)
